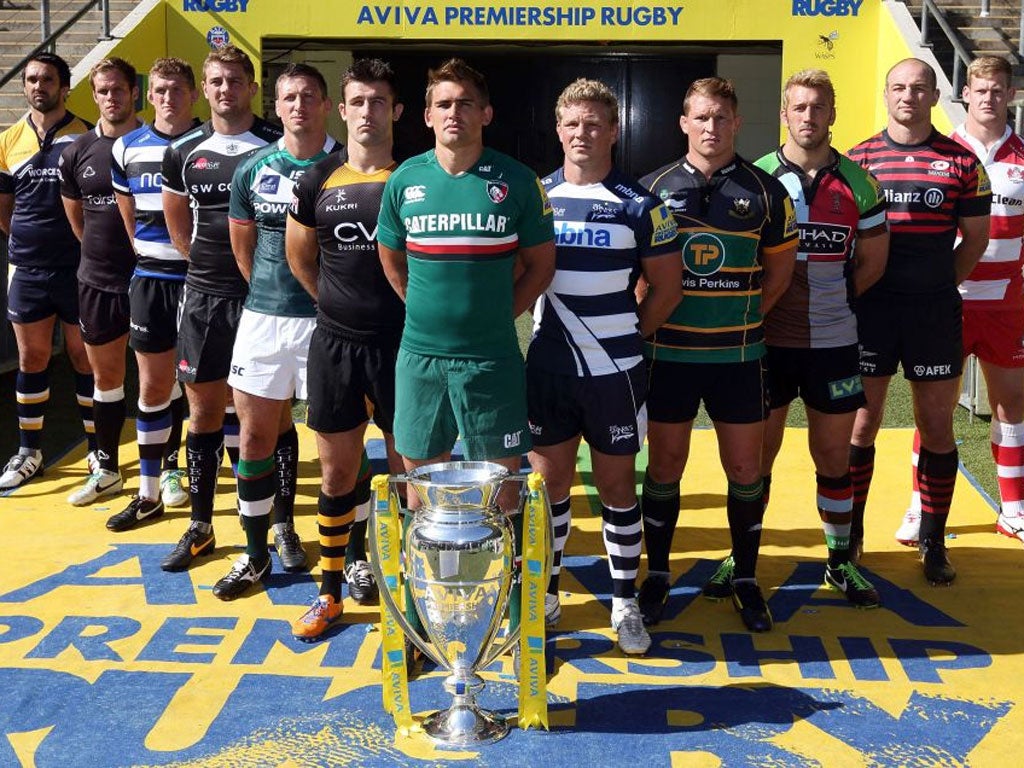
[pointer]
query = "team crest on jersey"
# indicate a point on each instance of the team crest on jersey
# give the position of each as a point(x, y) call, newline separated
point(1014, 173)
point(497, 191)
point(740, 208)
point(837, 203)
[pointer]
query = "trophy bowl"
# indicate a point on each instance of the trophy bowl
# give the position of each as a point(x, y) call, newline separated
point(458, 563)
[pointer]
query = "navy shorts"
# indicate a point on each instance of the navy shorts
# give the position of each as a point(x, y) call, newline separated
point(36, 294)
point(733, 393)
point(207, 326)
point(828, 380)
point(154, 313)
point(104, 315)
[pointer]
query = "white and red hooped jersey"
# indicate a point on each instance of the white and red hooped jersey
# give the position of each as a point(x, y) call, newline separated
point(996, 281)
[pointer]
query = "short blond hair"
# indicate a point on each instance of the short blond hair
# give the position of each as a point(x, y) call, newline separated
point(810, 78)
point(990, 67)
point(582, 89)
point(714, 88)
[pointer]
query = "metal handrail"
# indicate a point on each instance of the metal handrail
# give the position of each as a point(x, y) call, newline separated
point(962, 57)
point(48, 42)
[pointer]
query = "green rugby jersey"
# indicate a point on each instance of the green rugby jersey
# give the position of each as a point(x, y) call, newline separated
point(261, 193)
point(725, 225)
point(461, 235)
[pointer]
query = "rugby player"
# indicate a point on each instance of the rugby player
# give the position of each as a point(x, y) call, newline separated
point(993, 293)
point(155, 290)
point(332, 250)
point(739, 241)
point(811, 332)
point(44, 255)
point(912, 315)
point(108, 260)
point(466, 239)
point(197, 170)
point(585, 371)
point(268, 364)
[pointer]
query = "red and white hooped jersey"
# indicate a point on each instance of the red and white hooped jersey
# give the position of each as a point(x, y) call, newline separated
point(996, 280)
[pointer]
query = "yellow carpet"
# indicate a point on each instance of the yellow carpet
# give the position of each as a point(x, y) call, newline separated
point(107, 660)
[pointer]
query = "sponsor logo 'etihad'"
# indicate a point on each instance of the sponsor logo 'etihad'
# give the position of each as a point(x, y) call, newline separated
point(826, 7)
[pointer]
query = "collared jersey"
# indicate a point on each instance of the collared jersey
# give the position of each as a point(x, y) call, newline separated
point(996, 283)
point(261, 192)
point(199, 165)
point(108, 257)
point(725, 225)
point(41, 237)
point(586, 322)
point(461, 235)
point(355, 298)
point(136, 171)
point(840, 201)
point(928, 187)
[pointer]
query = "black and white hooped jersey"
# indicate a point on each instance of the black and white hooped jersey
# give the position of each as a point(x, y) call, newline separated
point(137, 171)
point(199, 165)
point(586, 322)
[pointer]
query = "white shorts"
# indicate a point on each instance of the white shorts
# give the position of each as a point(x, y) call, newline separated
point(269, 358)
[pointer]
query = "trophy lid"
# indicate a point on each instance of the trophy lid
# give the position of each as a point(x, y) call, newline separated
point(457, 484)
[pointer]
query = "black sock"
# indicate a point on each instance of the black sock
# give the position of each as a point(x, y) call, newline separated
point(862, 468)
point(660, 504)
point(286, 465)
point(745, 508)
point(108, 413)
point(202, 455)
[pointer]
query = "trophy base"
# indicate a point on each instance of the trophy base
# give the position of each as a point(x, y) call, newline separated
point(462, 726)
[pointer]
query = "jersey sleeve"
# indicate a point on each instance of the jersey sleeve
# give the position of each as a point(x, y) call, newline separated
point(657, 234)
point(781, 230)
point(6, 177)
point(240, 206)
point(390, 229)
point(172, 171)
point(66, 167)
point(118, 174)
point(304, 195)
point(537, 222)
point(976, 197)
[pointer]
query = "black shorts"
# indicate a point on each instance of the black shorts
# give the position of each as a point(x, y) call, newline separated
point(827, 379)
point(154, 321)
point(36, 294)
point(346, 380)
point(923, 333)
point(609, 411)
point(104, 315)
point(733, 393)
point(206, 335)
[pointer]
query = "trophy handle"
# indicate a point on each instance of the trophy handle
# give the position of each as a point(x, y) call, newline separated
point(389, 604)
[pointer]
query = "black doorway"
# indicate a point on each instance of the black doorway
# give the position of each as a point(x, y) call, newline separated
point(525, 84)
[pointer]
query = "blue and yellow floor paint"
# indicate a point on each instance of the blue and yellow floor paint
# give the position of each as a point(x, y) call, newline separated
point(106, 660)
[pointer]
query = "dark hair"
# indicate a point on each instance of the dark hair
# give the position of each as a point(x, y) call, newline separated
point(297, 69)
point(229, 54)
point(458, 71)
point(370, 71)
point(172, 66)
point(115, 64)
point(55, 61)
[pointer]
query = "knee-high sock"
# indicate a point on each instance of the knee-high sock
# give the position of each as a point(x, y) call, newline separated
point(862, 468)
point(152, 427)
point(108, 412)
point(660, 502)
point(173, 444)
point(286, 466)
point(561, 522)
point(231, 432)
point(621, 530)
point(936, 472)
point(256, 483)
point(32, 391)
point(202, 456)
point(335, 515)
point(356, 549)
point(84, 387)
point(1008, 452)
point(835, 507)
point(744, 507)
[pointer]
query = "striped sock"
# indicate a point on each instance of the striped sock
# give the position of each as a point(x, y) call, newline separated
point(356, 549)
point(153, 426)
point(561, 521)
point(32, 391)
point(256, 486)
point(173, 445)
point(621, 530)
point(84, 387)
point(915, 457)
point(1008, 452)
point(835, 507)
point(862, 468)
point(335, 515)
point(937, 475)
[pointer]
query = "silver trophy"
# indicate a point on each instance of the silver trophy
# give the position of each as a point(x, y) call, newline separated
point(458, 564)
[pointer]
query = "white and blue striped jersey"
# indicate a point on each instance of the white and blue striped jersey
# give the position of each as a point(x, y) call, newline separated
point(136, 171)
point(586, 322)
